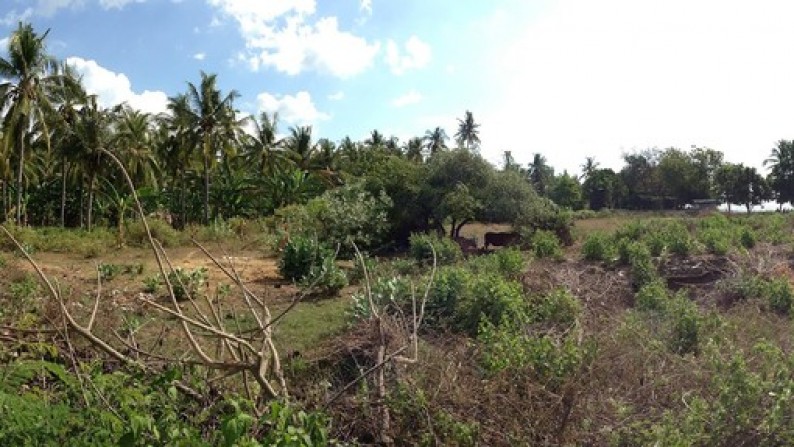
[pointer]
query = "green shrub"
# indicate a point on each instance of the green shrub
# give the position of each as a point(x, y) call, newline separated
point(389, 294)
point(451, 286)
point(447, 250)
point(643, 270)
point(151, 284)
point(491, 298)
point(161, 231)
point(300, 255)
point(652, 296)
point(558, 307)
point(187, 284)
point(350, 214)
point(717, 241)
point(108, 271)
point(779, 295)
point(679, 241)
point(598, 247)
point(747, 238)
point(545, 244)
point(508, 262)
point(685, 321)
point(326, 276)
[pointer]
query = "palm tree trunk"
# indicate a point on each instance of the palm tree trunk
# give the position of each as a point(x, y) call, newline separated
point(63, 193)
point(20, 172)
point(206, 189)
point(90, 201)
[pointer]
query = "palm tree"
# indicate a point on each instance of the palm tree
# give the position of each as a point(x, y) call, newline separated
point(134, 144)
point(299, 146)
point(540, 174)
point(436, 140)
point(211, 119)
point(376, 140)
point(261, 148)
point(588, 167)
point(467, 132)
point(413, 149)
point(781, 163)
point(24, 97)
point(92, 132)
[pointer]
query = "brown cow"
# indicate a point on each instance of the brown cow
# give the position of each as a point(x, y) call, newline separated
point(467, 246)
point(501, 239)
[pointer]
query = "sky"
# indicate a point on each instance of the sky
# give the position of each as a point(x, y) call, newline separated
point(567, 79)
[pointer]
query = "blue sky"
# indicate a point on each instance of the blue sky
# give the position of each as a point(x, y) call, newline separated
point(566, 78)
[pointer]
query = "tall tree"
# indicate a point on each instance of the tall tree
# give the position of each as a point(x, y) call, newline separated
point(540, 174)
point(261, 147)
point(781, 163)
point(23, 97)
point(435, 140)
point(212, 118)
point(413, 149)
point(468, 132)
point(299, 146)
point(588, 167)
point(133, 144)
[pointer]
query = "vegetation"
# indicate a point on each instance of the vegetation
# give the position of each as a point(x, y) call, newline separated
point(610, 327)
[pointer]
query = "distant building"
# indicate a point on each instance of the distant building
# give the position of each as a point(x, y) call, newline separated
point(703, 205)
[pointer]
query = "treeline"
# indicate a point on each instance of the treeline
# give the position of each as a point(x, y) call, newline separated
point(656, 179)
point(199, 162)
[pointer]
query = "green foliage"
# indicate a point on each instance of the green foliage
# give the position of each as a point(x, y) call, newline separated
point(350, 214)
point(108, 271)
point(747, 238)
point(679, 241)
point(652, 296)
point(545, 245)
point(598, 247)
point(188, 284)
point(779, 295)
point(490, 298)
point(558, 307)
point(287, 426)
point(717, 241)
point(386, 293)
point(447, 250)
point(685, 322)
point(450, 287)
point(508, 262)
point(300, 255)
point(643, 271)
point(326, 276)
point(160, 230)
point(151, 284)
point(25, 290)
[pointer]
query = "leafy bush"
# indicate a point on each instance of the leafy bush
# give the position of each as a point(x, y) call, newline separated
point(779, 295)
point(685, 322)
point(717, 241)
point(679, 241)
point(558, 307)
point(643, 270)
point(451, 285)
point(187, 284)
point(508, 262)
point(350, 214)
point(326, 276)
point(598, 247)
point(447, 250)
point(389, 293)
point(161, 231)
point(545, 244)
point(300, 255)
point(747, 238)
point(490, 298)
point(652, 296)
point(108, 271)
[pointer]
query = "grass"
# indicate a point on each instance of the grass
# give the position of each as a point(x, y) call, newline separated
point(311, 322)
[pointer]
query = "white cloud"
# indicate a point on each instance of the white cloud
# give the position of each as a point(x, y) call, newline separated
point(48, 8)
point(338, 96)
point(412, 97)
point(117, 4)
point(366, 7)
point(279, 35)
point(114, 88)
point(600, 78)
point(417, 55)
point(295, 110)
point(200, 56)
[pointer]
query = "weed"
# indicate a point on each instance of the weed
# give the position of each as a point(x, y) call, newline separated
point(545, 245)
